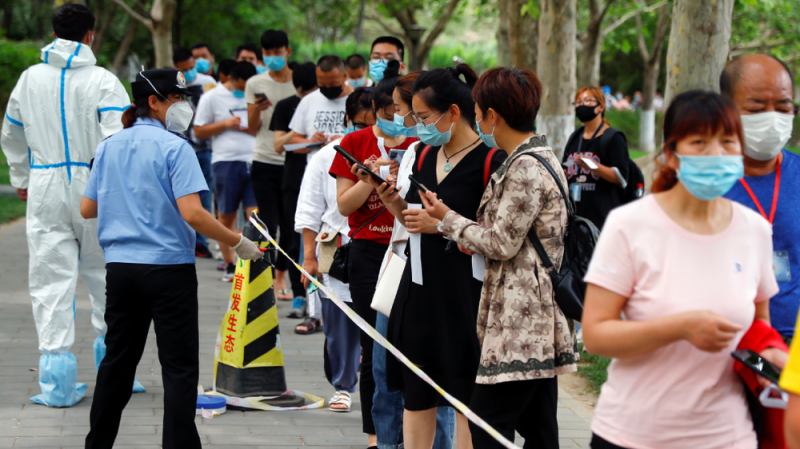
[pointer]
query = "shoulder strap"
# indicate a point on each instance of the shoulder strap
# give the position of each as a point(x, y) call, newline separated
point(572, 138)
point(609, 134)
point(487, 167)
point(537, 243)
point(368, 222)
point(422, 156)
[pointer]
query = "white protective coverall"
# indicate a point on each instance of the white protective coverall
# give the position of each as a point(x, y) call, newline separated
point(58, 113)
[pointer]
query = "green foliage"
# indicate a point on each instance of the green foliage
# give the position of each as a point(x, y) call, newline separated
point(11, 209)
point(4, 177)
point(594, 368)
point(15, 57)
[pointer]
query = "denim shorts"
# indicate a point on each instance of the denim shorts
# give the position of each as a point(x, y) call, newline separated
point(233, 185)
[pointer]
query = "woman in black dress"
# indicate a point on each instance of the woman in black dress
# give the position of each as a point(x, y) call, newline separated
point(433, 320)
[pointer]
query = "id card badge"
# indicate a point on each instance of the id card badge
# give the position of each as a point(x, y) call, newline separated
point(575, 190)
point(780, 263)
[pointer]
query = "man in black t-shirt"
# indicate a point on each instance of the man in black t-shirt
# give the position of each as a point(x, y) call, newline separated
point(304, 78)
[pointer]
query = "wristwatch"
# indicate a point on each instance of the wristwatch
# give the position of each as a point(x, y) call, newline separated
point(439, 227)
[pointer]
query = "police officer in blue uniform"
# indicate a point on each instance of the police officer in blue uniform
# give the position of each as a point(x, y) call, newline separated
point(144, 188)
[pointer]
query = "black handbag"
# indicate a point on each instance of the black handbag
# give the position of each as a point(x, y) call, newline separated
point(341, 259)
point(579, 242)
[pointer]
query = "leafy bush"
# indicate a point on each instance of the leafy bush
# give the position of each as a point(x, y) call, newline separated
point(15, 57)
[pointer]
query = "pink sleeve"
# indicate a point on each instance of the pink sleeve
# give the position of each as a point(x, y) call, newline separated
point(767, 284)
point(612, 264)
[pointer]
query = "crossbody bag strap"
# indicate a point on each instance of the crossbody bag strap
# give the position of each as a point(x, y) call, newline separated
point(537, 243)
point(368, 222)
point(487, 167)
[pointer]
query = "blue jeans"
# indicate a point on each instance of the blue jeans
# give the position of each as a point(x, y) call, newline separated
point(204, 158)
point(387, 406)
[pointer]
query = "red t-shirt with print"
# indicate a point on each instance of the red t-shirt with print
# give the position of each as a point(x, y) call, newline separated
point(364, 146)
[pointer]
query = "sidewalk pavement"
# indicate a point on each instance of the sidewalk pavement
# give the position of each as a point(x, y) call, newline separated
point(24, 424)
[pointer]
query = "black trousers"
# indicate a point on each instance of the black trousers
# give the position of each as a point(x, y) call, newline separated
point(135, 295)
point(365, 263)
point(527, 406)
point(267, 180)
point(291, 241)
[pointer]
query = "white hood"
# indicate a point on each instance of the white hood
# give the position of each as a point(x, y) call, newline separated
point(66, 54)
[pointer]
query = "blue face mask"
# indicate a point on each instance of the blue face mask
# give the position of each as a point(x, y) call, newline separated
point(389, 128)
point(488, 140)
point(260, 69)
point(190, 75)
point(275, 63)
point(350, 129)
point(238, 93)
point(376, 68)
point(400, 121)
point(710, 177)
point(429, 135)
point(358, 82)
point(202, 65)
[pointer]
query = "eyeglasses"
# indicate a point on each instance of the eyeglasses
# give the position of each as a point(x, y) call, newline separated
point(421, 121)
point(587, 102)
point(360, 126)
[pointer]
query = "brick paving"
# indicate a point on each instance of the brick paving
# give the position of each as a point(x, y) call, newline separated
point(24, 424)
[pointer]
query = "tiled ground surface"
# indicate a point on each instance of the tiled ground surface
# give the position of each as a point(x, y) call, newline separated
point(24, 424)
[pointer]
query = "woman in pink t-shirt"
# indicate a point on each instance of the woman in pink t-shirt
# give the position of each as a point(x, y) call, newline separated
point(690, 271)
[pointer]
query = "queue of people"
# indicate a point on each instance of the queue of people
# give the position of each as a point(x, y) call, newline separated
point(446, 220)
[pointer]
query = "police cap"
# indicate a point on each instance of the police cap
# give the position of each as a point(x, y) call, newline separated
point(160, 82)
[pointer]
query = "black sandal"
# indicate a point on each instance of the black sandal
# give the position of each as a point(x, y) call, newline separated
point(312, 325)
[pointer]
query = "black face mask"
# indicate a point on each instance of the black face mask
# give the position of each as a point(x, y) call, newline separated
point(585, 113)
point(331, 93)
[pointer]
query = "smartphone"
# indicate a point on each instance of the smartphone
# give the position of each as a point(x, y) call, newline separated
point(418, 184)
point(261, 97)
point(352, 159)
point(396, 155)
point(755, 362)
point(589, 163)
point(374, 175)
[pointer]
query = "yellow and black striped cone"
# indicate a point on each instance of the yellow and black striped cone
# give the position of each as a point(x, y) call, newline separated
point(248, 358)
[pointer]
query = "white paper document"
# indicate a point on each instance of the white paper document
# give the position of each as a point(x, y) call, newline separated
point(478, 266)
point(416, 262)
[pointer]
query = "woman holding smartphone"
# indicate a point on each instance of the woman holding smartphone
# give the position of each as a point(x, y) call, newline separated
point(370, 229)
point(434, 315)
point(691, 271)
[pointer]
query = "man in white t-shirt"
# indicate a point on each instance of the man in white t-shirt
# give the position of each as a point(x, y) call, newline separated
point(185, 62)
point(262, 93)
point(222, 116)
point(322, 113)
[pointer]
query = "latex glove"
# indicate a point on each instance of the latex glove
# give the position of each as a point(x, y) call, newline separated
point(247, 250)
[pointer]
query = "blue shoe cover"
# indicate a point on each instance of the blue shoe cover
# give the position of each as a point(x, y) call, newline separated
point(58, 379)
point(100, 353)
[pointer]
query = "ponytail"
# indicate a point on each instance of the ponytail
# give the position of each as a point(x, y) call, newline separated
point(442, 88)
point(140, 108)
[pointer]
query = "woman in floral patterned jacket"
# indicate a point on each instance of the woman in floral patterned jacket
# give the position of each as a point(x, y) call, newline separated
point(525, 338)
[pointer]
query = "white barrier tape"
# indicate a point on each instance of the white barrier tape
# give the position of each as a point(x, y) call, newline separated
point(256, 404)
point(375, 335)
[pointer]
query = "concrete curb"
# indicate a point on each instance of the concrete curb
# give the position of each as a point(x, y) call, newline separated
point(8, 191)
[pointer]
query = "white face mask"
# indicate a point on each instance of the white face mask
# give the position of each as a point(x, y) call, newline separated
point(179, 116)
point(766, 133)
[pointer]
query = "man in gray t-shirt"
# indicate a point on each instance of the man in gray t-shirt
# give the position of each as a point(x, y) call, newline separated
point(262, 93)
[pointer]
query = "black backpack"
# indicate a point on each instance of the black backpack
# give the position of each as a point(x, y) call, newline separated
point(580, 239)
point(634, 189)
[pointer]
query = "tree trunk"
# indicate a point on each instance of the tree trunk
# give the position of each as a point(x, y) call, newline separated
point(124, 46)
point(523, 35)
point(101, 33)
point(589, 73)
point(698, 45)
point(503, 47)
point(652, 68)
point(556, 70)
point(162, 14)
point(360, 25)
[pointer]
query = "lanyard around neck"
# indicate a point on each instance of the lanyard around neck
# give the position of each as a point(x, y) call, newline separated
point(774, 195)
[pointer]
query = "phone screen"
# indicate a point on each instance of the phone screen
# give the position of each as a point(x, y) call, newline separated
point(261, 97)
point(758, 364)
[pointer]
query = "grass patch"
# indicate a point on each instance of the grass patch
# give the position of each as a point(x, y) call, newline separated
point(594, 368)
point(4, 177)
point(11, 209)
point(636, 154)
point(794, 149)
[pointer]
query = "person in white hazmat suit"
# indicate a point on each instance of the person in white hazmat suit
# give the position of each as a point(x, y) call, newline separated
point(58, 113)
